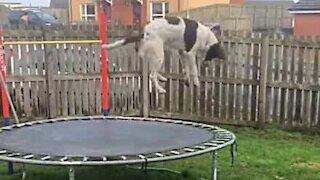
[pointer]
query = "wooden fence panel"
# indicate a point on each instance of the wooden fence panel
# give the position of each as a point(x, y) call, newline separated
point(231, 91)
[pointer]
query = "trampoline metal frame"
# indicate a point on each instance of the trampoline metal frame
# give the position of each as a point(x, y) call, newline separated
point(221, 139)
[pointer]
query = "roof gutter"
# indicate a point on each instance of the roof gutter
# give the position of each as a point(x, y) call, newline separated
point(304, 11)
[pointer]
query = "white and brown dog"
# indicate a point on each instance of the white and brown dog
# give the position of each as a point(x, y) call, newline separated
point(191, 38)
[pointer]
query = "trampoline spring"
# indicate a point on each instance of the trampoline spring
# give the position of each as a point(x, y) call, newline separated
point(30, 156)
point(175, 152)
point(20, 125)
point(200, 147)
point(64, 158)
point(56, 120)
point(219, 131)
point(225, 135)
point(141, 156)
point(47, 121)
point(217, 141)
point(178, 122)
point(159, 155)
point(86, 119)
point(123, 157)
point(187, 123)
point(207, 126)
point(189, 150)
point(29, 124)
point(14, 154)
point(7, 128)
point(85, 158)
point(45, 158)
point(210, 144)
point(225, 139)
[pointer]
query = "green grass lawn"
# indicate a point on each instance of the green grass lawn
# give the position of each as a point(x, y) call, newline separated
point(261, 155)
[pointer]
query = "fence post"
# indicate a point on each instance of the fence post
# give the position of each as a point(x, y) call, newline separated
point(145, 95)
point(49, 68)
point(263, 81)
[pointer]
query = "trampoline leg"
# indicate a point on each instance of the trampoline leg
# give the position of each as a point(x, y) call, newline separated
point(71, 174)
point(145, 170)
point(24, 172)
point(10, 168)
point(214, 165)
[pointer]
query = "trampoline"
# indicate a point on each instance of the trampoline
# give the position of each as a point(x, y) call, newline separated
point(110, 140)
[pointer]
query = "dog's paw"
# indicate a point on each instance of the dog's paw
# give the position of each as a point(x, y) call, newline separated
point(187, 82)
point(161, 91)
point(161, 78)
point(104, 46)
point(196, 82)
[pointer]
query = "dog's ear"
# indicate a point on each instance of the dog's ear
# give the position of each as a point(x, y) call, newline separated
point(216, 29)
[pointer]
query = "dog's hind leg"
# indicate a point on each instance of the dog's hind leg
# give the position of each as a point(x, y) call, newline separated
point(156, 66)
point(185, 67)
point(152, 51)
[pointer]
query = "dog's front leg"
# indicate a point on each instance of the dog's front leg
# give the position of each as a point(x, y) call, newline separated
point(191, 66)
point(194, 70)
point(161, 78)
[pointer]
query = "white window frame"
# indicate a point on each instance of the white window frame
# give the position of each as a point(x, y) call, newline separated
point(84, 16)
point(163, 13)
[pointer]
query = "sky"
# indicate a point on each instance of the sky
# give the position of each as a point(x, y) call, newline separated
point(28, 2)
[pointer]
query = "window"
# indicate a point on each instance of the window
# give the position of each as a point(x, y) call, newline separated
point(88, 12)
point(158, 10)
point(32, 17)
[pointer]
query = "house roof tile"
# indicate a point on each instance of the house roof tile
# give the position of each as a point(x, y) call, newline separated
point(306, 5)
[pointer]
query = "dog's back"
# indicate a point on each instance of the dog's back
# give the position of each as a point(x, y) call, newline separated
point(170, 30)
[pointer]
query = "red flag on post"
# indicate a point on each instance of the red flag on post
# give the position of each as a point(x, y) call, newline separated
point(5, 104)
point(104, 60)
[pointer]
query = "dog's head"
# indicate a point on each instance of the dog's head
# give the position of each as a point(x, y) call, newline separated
point(216, 50)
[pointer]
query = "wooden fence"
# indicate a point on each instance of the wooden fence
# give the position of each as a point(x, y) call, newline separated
point(263, 81)
point(243, 17)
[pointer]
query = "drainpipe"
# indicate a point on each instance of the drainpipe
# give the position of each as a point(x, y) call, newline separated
point(188, 9)
point(70, 10)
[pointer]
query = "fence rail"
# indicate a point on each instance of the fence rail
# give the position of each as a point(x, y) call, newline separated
point(263, 81)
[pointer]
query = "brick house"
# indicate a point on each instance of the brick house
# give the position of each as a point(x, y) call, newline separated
point(87, 10)
point(122, 11)
point(306, 18)
point(158, 8)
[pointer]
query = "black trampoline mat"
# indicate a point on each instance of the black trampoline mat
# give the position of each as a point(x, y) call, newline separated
point(105, 137)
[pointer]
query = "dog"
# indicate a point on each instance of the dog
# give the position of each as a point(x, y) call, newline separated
point(190, 38)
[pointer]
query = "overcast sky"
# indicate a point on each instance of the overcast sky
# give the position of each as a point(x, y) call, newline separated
point(32, 2)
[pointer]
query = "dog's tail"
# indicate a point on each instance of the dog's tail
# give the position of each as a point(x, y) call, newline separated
point(122, 42)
